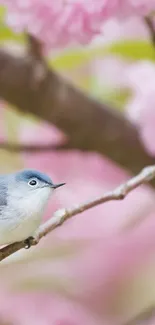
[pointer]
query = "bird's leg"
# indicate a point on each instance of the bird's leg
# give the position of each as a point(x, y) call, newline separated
point(28, 242)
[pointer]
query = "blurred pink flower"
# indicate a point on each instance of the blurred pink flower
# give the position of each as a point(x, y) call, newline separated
point(116, 30)
point(84, 287)
point(140, 77)
point(141, 108)
point(28, 133)
point(135, 7)
point(44, 309)
point(63, 22)
point(109, 73)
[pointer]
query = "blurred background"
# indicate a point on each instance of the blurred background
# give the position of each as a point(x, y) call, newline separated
point(98, 267)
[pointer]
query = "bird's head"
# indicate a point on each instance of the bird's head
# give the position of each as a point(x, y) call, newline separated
point(31, 186)
point(33, 180)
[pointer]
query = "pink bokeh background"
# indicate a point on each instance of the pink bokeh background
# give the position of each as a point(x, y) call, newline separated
point(98, 267)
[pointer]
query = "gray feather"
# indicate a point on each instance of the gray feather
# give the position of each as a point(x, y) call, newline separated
point(3, 191)
point(27, 174)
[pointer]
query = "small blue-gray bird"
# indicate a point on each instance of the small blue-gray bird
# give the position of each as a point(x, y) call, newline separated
point(23, 198)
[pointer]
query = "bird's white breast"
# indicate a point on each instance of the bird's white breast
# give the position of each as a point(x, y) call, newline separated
point(22, 216)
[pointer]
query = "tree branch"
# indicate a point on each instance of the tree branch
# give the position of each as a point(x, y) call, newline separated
point(27, 83)
point(61, 216)
point(150, 24)
point(13, 147)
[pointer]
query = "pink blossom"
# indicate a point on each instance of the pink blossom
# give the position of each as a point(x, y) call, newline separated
point(140, 77)
point(63, 22)
point(135, 7)
point(83, 287)
point(141, 108)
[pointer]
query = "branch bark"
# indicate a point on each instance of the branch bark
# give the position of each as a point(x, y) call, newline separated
point(150, 24)
point(27, 83)
point(15, 147)
point(61, 216)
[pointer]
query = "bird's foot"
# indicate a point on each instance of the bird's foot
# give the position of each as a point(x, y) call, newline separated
point(28, 242)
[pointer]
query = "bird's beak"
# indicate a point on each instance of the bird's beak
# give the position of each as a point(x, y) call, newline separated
point(57, 185)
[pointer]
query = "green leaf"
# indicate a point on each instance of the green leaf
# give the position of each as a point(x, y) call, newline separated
point(69, 59)
point(133, 50)
point(2, 12)
point(127, 49)
point(7, 34)
point(12, 121)
point(117, 99)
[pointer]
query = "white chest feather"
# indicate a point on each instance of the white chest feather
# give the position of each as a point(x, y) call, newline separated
point(22, 216)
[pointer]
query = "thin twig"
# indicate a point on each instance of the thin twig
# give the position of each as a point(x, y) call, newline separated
point(61, 216)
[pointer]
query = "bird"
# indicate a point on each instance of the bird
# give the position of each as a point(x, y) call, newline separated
point(23, 199)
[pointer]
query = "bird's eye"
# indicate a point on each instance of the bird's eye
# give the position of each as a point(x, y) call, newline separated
point(33, 182)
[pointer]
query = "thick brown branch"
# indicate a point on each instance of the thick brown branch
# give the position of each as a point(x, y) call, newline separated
point(27, 83)
point(61, 216)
